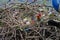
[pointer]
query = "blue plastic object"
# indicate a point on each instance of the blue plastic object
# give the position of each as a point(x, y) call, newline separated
point(55, 4)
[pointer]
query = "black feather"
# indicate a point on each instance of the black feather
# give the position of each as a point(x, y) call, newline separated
point(54, 23)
